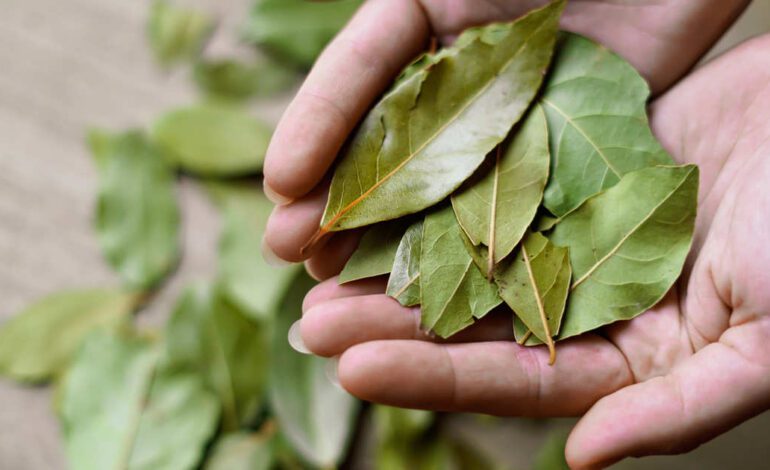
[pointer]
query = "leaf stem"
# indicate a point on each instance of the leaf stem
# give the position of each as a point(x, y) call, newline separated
point(524, 338)
point(493, 218)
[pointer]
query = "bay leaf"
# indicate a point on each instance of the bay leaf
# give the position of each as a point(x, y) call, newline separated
point(246, 278)
point(316, 416)
point(496, 209)
point(430, 133)
point(242, 451)
point(210, 336)
point(400, 435)
point(454, 291)
point(376, 251)
point(231, 79)
point(296, 31)
point(176, 33)
point(536, 284)
point(214, 139)
point(595, 103)
point(120, 409)
point(137, 218)
point(404, 280)
point(627, 245)
point(39, 342)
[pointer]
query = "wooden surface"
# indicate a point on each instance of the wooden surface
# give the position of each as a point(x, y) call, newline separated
point(67, 65)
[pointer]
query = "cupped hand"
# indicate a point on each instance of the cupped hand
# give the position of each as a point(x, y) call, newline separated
point(692, 367)
point(661, 38)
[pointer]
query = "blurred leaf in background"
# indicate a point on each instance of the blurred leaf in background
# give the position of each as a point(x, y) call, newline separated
point(175, 33)
point(551, 455)
point(316, 416)
point(137, 218)
point(297, 30)
point(39, 342)
point(244, 451)
point(210, 336)
point(235, 80)
point(214, 140)
point(120, 409)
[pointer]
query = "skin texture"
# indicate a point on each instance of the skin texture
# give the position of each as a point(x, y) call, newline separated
point(692, 367)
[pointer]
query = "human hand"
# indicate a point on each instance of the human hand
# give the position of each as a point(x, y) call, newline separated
point(692, 367)
point(661, 38)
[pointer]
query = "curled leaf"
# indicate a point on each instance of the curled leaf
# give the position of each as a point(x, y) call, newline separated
point(404, 280)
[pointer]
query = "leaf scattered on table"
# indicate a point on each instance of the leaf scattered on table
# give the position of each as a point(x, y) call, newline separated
point(137, 218)
point(40, 341)
point(176, 34)
point(214, 140)
point(376, 251)
point(238, 80)
point(404, 280)
point(627, 245)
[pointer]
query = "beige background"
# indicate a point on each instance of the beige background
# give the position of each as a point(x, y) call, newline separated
point(67, 65)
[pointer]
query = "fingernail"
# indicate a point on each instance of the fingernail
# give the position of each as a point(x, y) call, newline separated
point(331, 366)
point(271, 258)
point(295, 339)
point(275, 198)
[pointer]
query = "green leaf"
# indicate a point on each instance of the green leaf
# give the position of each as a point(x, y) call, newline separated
point(496, 209)
point(431, 132)
point(245, 277)
point(236, 80)
point(137, 218)
point(215, 140)
point(316, 416)
point(39, 342)
point(627, 245)
point(242, 451)
point(400, 437)
point(375, 253)
point(212, 337)
point(297, 30)
point(536, 284)
point(177, 34)
point(404, 280)
point(595, 103)
point(453, 289)
point(119, 409)
point(551, 455)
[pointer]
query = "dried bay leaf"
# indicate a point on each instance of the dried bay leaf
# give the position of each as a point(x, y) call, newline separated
point(231, 79)
point(627, 245)
point(246, 278)
point(404, 280)
point(215, 140)
point(39, 342)
point(454, 291)
point(176, 34)
point(210, 336)
point(376, 251)
point(316, 416)
point(121, 409)
point(137, 218)
point(497, 209)
point(595, 103)
point(434, 128)
point(536, 284)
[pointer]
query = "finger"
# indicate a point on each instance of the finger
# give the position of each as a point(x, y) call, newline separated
point(290, 226)
point(331, 327)
point(337, 251)
point(352, 71)
point(719, 387)
point(501, 377)
point(332, 289)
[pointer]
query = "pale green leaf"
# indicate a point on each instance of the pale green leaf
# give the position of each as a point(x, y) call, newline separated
point(242, 451)
point(210, 336)
point(434, 128)
point(496, 209)
point(120, 410)
point(137, 218)
point(404, 280)
point(175, 33)
point(216, 140)
point(453, 289)
point(236, 80)
point(297, 30)
point(40, 341)
point(595, 103)
point(375, 253)
point(627, 245)
point(400, 437)
point(316, 416)
point(244, 275)
point(535, 284)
